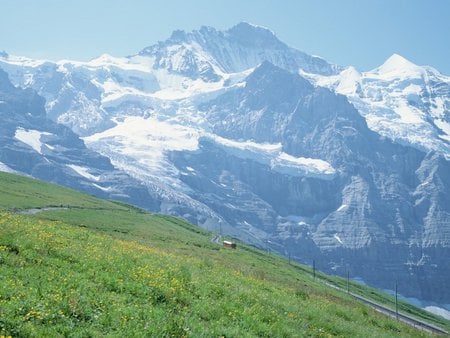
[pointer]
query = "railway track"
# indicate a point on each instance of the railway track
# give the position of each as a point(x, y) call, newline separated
point(393, 314)
point(402, 317)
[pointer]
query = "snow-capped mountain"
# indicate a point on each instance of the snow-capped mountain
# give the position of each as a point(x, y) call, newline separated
point(84, 95)
point(407, 103)
point(208, 53)
point(240, 133)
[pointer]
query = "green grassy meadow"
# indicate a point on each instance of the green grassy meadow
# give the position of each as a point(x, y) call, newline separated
point(106, 269)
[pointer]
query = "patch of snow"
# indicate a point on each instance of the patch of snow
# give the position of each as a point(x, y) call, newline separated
point(331, 81)
point(408, 114)
point(438, 311)
point(338, 238)
point(301, 166)
point(438, 108)
point(300, 220)
point(229, 205)
point(24, 61)
point(190, 88)
point(112, 91)
point(272, 155)
point(109, 60)
point(397, 66)
point(248, 149)
point(145, 135)
point(31, 138)
point(445, 127)
point(83, 171)
point(107, 189)
point(350, 81)
point(106, 61)
point(7, 169)
point(342, 207)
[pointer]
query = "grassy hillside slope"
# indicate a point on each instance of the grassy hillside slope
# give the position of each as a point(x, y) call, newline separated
point(102, 268)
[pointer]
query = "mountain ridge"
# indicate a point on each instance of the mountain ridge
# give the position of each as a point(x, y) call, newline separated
point(241, 47)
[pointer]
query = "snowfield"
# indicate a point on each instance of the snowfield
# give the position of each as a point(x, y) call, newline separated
point(7, 169)
point(139, 145)
point(273, 156)
point(31, 137)
point(83, 171)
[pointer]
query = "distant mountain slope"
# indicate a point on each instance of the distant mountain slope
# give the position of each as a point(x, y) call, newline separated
point(32, 144)
point(104, 268)
point(384, 197)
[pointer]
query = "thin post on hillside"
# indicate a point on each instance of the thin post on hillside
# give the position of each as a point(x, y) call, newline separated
point(396, 300)
point(314, 269)
point(348, 281)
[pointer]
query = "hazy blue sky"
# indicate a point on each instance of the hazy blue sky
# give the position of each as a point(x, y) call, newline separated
point(357, 32)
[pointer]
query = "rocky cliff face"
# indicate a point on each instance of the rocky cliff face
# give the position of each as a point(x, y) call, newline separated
point(382, 216)
point(241, 134)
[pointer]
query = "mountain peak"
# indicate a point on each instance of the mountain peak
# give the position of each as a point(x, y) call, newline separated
point(398, 60)
point(276, 82)
point(397, 64)
point(253, 35)
point(247, 26)
point(242, 47)
point(178, 35)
